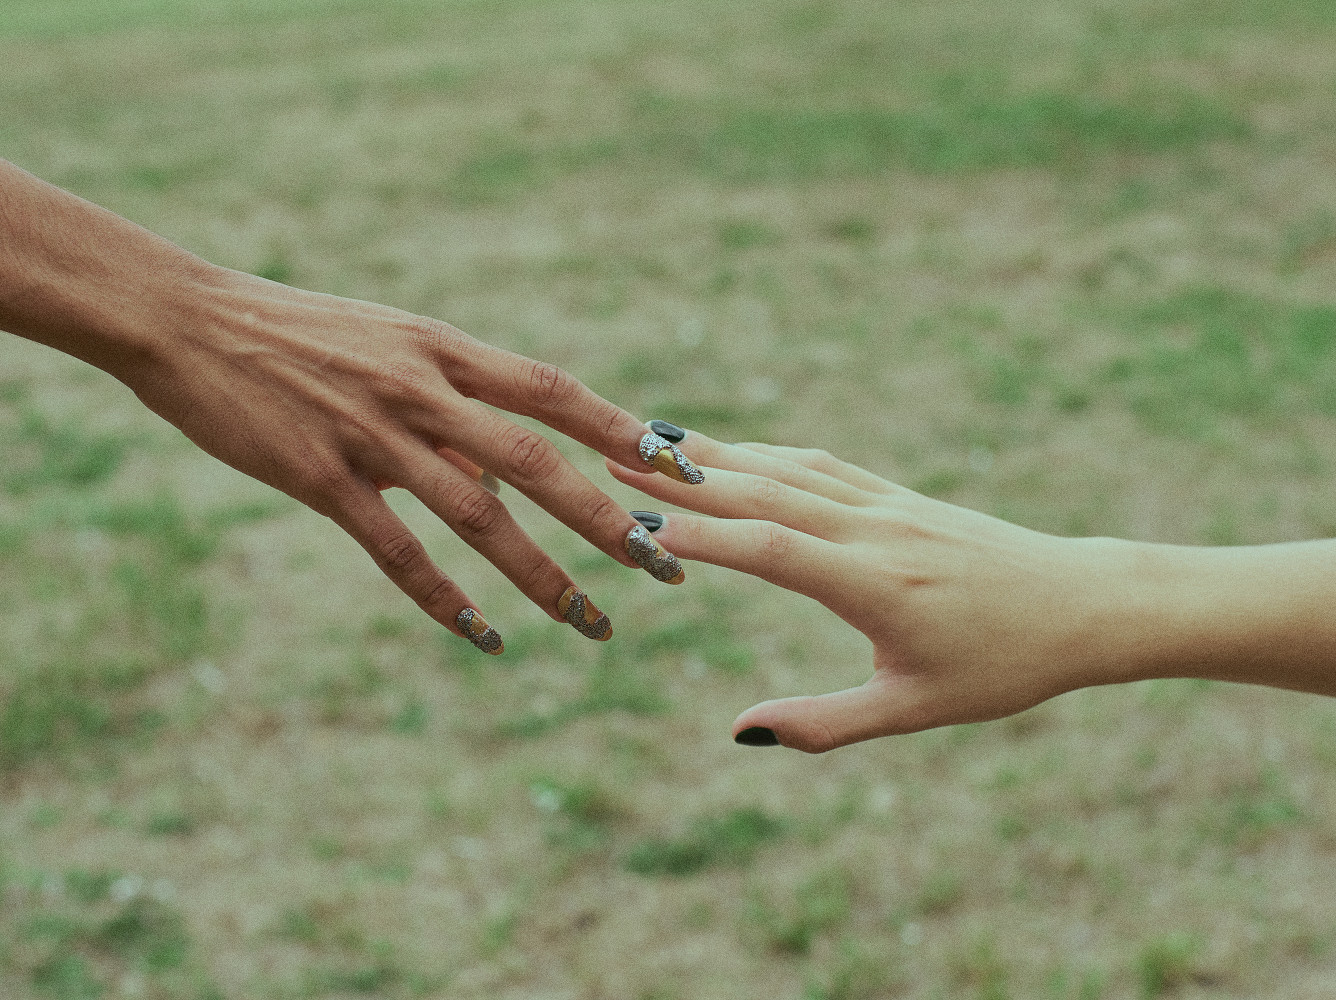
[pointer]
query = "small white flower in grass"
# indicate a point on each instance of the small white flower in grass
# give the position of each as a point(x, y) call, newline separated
point(126, 888)
point(911, 933)
point(131, 985)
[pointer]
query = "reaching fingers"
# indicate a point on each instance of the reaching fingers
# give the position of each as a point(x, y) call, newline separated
point(826, 464)
point(481, 520)
point(730, 494)
point(789, 558)
point(547, 393)
point(884, 706)
point(534, 466)
point(363, 513)
point(716, 455)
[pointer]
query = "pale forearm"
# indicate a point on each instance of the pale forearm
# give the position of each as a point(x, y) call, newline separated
point(85, 281)
point(1251, 614)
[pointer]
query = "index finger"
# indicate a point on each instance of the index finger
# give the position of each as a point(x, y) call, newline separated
point(545, 392)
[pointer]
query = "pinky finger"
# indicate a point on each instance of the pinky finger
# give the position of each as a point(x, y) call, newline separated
point(366, 516)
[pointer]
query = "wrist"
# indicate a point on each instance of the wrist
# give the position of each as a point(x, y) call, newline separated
point(1250, 614)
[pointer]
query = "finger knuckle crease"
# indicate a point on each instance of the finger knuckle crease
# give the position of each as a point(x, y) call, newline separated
point(765, 494)
point(775, 540)
point(402, 553)
point(440, 590)
point(601, 511)
point(530, 455)
point(548, 384)
point(477, 512)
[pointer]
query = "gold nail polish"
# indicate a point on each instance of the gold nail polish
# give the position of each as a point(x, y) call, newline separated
point(586, 619)
point(669, 459)
point(477, 631)
point(652, 557)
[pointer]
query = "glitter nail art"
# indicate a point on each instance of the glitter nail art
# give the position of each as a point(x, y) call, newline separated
point(668, 459)
point(586, 619)
point(652, 557)
point(477, 631)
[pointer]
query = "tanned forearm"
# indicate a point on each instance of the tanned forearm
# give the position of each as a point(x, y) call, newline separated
point(85, 281)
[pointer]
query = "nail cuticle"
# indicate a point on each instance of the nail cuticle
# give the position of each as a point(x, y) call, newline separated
point(477, 631)
point(757, 736)
point(669, 432)
point(652, 557)
point(580, 613)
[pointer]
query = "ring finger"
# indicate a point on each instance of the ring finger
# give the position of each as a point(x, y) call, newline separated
point(781, 468)
point(729, 494)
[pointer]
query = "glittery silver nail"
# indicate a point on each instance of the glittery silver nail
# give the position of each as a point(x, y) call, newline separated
point(678, 467)
point(574, 606)
point(652, 557)
point(477, 631)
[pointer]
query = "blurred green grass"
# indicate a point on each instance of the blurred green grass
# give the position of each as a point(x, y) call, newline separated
point(1063, 262)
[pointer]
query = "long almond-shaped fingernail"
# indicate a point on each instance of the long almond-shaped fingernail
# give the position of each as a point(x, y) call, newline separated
point(477, 631)
point(586, 619)
point(668, 459)
point(652, 557)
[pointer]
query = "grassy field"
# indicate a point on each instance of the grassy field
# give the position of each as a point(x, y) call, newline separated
point(1072, 263)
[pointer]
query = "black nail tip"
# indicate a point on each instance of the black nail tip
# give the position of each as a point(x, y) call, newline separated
point(757, 736)
point(649, 520)
point(669, 432)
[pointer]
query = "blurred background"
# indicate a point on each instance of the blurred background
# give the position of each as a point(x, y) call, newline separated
point(1070, 262)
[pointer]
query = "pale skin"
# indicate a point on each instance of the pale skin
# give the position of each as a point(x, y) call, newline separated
point(972, 618)
point(328, 399)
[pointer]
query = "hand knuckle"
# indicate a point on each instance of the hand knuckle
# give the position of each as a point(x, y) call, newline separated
point(548, 384)
point(609, 418)
point(774, 540)
point(601, 511)
point(764, 494)
point(439, 592)
point(530, 455)
point(432, 335)
point(534, 575)
point(403, 379)
point(477, 512)
point(322, 482)
point(402, 553)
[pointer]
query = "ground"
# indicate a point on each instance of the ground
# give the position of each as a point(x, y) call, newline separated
point(1071, 263)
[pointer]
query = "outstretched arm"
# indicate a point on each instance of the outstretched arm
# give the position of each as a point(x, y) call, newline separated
point(972, 618)
point(328, 399)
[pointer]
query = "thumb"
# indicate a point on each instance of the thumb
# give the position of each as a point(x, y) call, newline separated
point(815, 724)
